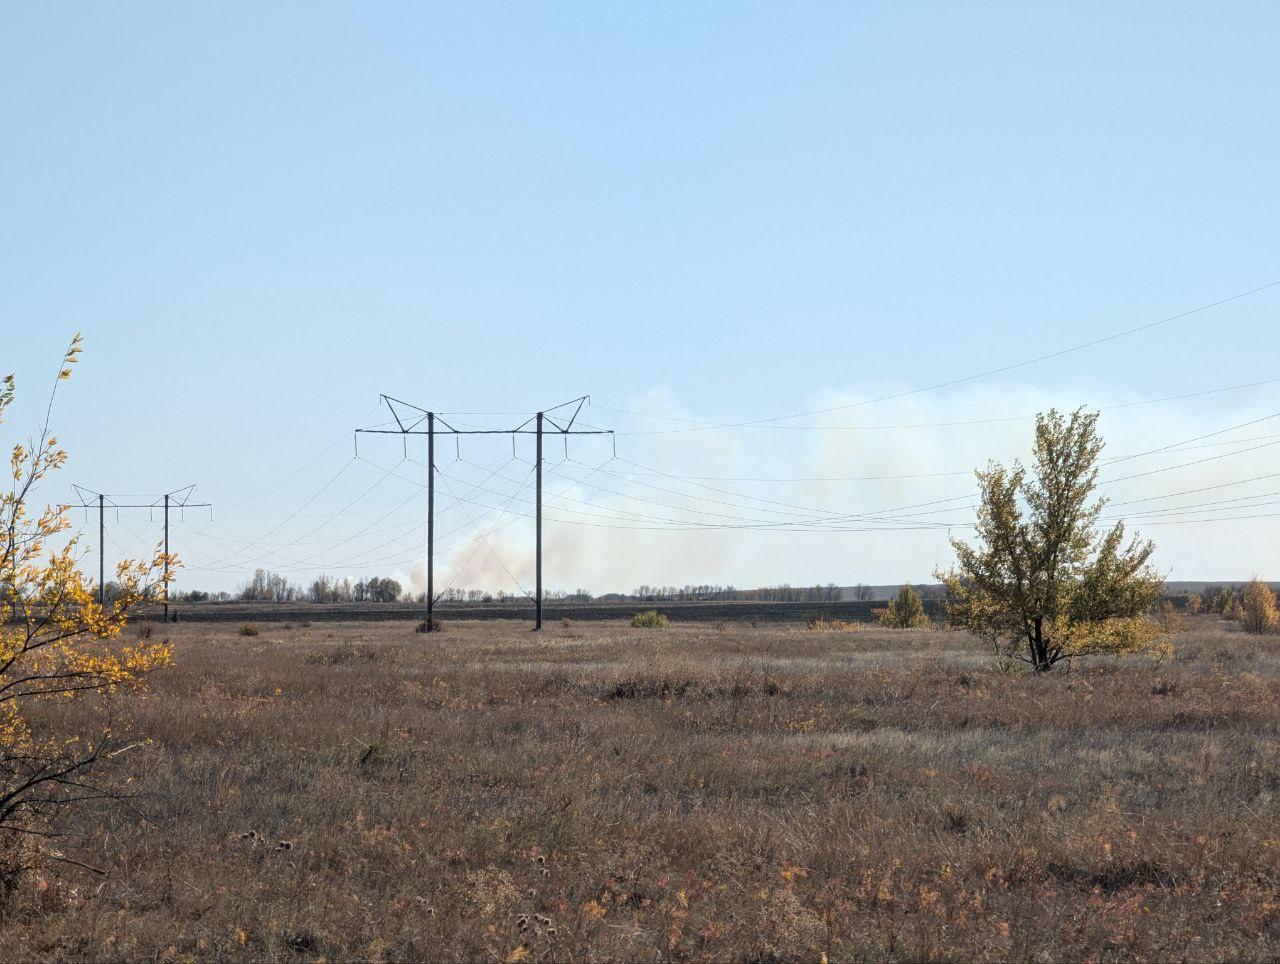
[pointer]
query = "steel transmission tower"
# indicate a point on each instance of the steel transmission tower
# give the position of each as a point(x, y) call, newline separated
point(177, 499)
point(412, 420)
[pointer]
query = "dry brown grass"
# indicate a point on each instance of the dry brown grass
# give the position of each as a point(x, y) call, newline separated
point(708, 793)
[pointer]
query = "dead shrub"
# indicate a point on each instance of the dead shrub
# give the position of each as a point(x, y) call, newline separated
point(649, 688)
point(956, 819)
point(344, 655)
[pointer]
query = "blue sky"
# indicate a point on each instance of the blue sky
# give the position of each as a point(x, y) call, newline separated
point(261, 216)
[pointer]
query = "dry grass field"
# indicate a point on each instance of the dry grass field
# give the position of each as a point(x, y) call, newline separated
point(703, 792)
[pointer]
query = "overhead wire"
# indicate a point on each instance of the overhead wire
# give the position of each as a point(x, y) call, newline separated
point(951, 382)
point(484, 540)
point(280, 525)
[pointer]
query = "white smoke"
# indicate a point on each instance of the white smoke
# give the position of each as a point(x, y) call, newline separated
point(908, 440)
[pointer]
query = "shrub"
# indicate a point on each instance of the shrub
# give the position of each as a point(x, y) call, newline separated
point(248, 629)
point(59, 646)
point(1195, 604)
point(650, 619)
point(1221, 602)
point(905, 612)
point(343, 655)
point(1257, 608)
point(429, 626)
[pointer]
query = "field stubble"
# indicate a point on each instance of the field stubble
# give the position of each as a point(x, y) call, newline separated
point(603, 792)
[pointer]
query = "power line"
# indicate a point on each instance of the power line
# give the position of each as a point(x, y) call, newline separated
point(949, 383)
point(410, 417)
point(827, 517)
point(483, 540)
point(179, 499)
point(289, 518)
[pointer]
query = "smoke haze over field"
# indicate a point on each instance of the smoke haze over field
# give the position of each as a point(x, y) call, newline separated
point(612, 524)
point(579, 553)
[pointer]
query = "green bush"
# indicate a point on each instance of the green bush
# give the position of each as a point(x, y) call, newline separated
point(248, 629)
point(650, 619)
point(905, 612)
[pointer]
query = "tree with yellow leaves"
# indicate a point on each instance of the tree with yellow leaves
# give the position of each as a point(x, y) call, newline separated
point(1044, 585)
point(57, 644)
point(904, 612)
point(1258, 610)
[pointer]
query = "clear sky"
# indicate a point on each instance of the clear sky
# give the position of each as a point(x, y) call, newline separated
point(263, 215)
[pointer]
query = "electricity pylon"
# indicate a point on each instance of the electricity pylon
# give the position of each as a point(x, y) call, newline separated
point(177, 499)
point(409, 421)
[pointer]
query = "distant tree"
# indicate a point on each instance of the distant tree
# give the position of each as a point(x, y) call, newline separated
point(326, 590)
point(1234, 611)
point(1258, 612)
point(905, 612)
point(1222, 600)
point(1170, 619)
point(1044, 587)
point(267, 586)
point(321, 590)
point(1194, 604)
point(862, 592)
point(382, 590)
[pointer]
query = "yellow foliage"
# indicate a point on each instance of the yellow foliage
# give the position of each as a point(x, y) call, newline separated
point(1041, 583)
point(1257, 609)
point(904, 612)
point(60, 644)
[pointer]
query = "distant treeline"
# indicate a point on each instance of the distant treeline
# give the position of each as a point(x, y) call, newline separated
point(268, 586)
point(783, 593)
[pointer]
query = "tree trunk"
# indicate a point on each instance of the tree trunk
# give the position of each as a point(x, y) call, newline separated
point(1040, 651)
